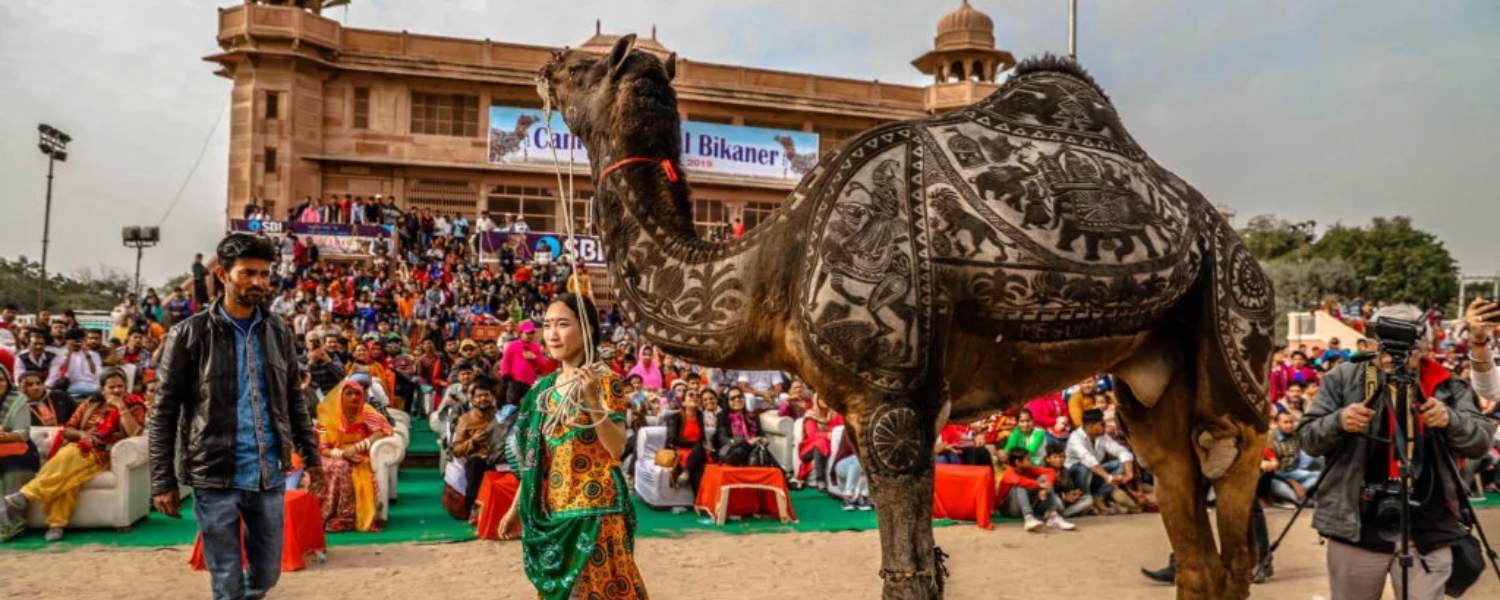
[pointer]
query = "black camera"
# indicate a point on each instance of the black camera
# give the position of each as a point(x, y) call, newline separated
point(1398, 337)
point(1381, 503)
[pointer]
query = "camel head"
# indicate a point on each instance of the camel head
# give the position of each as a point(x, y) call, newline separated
point(622, 100)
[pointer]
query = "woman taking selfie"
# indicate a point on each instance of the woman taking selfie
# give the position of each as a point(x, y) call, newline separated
point(577, 524)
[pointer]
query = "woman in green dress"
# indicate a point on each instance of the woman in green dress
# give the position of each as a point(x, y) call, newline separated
point(577, 524)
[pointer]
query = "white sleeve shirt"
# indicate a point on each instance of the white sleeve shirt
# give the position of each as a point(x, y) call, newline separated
point(1486, 384)
point(1090, 454)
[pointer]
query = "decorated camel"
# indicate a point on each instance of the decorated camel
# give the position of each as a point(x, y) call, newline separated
point(947, 268)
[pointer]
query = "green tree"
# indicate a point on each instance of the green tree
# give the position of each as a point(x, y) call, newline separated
point(1301, 283)
point(1394, 261)
point(20, 280)
point(1272, 238)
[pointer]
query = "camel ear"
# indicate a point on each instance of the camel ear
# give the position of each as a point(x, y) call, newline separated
point(618, 54)
point(672, 66)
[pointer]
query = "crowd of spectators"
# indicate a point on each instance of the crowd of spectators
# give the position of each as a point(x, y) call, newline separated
point(423, 325)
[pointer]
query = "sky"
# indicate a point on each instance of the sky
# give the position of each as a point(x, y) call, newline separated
point(1331, 111)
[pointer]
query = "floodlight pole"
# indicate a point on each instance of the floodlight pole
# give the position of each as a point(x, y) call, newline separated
point(1073, 29)
point(46, 231)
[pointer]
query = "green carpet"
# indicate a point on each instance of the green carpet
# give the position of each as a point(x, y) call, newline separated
point(423, 440)
point(419, 518)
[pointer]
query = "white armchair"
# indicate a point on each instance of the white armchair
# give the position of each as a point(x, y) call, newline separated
point(653, 483)
point(115, 498)
point(778, 432)
point(386, 456)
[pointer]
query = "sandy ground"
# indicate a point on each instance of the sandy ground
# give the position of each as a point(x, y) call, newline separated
point(1102, 556)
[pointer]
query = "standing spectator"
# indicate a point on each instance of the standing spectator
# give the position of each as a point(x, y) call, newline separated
point(200, 283)
point(241, 429)
point(739, 228)
point(523, 361)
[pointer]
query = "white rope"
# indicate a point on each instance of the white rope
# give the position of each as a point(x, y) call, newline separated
point(570, 405)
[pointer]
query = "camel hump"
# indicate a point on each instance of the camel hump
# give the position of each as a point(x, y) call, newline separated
point(1059, 65)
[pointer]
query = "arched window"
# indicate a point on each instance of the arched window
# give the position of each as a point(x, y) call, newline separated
point(956, 71)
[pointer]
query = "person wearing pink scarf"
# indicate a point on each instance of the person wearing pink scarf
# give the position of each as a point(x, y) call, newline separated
point(523, 360)
point(648, 366)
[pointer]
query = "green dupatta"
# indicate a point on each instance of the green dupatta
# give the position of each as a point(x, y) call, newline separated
point(554, 546)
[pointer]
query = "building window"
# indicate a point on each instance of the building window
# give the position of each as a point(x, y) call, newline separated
point(361, 108)
point(273, 105)
point(538, 206)
point(709, 217)
point(446, 196)
point(270, 160)
point(445, 114)
point(756, 212)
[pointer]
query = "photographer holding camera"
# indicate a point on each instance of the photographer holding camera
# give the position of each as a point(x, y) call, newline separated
point(1353, 421)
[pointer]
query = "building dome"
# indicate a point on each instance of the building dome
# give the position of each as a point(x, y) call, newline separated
point(965, 27)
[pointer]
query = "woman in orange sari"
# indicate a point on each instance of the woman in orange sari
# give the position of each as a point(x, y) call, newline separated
point(347, 428)
point(365, 363)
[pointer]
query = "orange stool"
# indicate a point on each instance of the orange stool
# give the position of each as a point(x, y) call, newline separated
point(496, 493)
point(964, 492)
point(729, 491)
point(301, 531)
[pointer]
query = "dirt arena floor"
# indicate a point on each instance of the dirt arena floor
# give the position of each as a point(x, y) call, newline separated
point(1102, 556)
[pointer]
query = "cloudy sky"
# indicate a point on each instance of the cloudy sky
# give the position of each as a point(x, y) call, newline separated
point(1330, 110)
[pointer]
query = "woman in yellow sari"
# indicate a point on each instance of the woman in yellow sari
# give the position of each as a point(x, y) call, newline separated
point(347, 428)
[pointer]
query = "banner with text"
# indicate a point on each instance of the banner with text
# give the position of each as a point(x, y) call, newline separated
point(539, 246)
point(517, 135)
point(334, 240)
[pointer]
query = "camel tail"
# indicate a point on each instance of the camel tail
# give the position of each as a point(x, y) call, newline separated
point(1239, 322)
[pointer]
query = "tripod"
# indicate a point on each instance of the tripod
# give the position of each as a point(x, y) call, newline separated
point(1404, 380)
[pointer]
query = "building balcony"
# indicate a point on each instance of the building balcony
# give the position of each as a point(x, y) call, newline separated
point(257, 22)
point(943, 97)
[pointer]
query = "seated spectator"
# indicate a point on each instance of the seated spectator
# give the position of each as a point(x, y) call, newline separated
point(961, 444)
point(817, 444)
point(687, 435)
point(708, 406)
point(1026, 491)
point(1026, 435)
point(81, 452)
point(19, 461)
point(76, 365)
point(1101, 464)
point(347, 428)
point(794, 405)
point(1050, 413)
point(365, 364)
point(850, 478)
point(1074, 497)
point(1294, 402)
point(738, 432)
point(471, 439)
point(1292, 480)
point(49, 407)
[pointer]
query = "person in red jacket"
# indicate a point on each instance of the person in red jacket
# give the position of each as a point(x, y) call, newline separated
point(1026, 490)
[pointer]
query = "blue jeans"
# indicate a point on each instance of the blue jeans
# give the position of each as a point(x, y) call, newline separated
point(1086, 479)
point(219, 513)
point(80, 390)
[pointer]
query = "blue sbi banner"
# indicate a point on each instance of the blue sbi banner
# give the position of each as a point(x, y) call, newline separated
point(517, 135)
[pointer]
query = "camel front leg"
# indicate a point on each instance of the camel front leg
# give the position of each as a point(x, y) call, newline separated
point(895, 444)
point(1235, 494)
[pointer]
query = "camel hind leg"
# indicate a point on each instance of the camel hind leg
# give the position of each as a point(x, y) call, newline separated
point(1161, 436)
point(1235, 497)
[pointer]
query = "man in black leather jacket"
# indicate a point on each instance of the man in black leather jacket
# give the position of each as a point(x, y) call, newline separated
point(227, 419)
